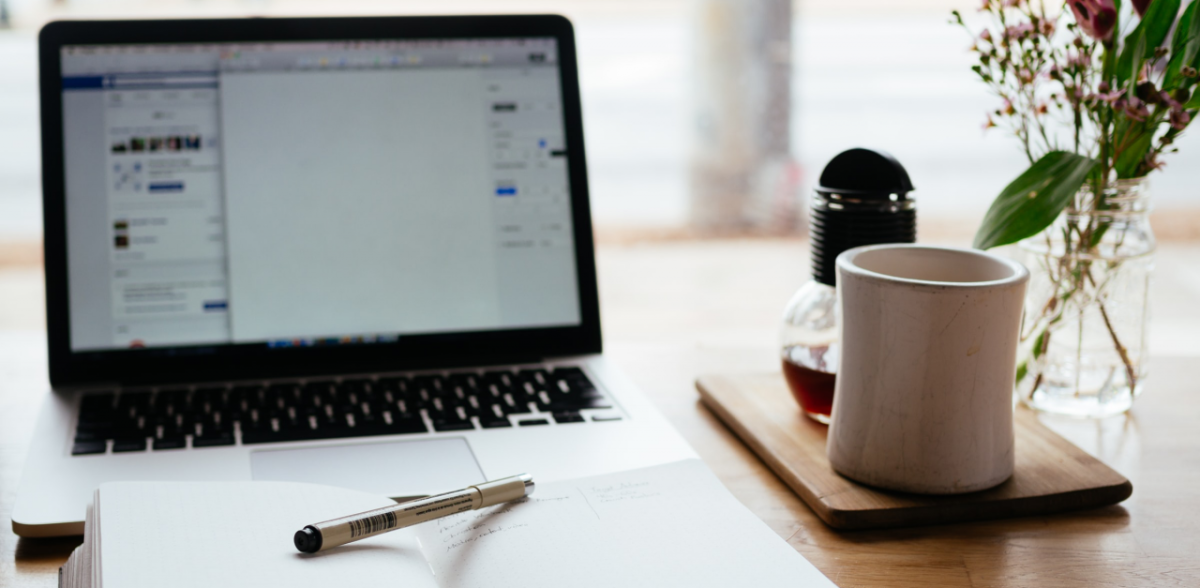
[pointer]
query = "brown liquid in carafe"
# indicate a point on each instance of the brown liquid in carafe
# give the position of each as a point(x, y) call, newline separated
point(813, 388)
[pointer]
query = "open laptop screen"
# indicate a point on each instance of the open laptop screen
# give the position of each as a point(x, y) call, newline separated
point(296, 194)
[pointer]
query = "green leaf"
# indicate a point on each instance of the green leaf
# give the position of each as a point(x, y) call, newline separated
point(1153, 31)
point(1194, 103)
point(1185, 46)
point(1186, 31)
point(1139, 55)
point(1172, 79)
point(1039, 343)
point(1159, 19)
point(1033, 200)
point(1131, 158)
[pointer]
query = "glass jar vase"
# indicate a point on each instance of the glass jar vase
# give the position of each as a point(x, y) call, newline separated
point(1086, 311)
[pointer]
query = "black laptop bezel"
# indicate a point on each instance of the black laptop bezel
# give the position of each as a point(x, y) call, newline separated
point(254, 361)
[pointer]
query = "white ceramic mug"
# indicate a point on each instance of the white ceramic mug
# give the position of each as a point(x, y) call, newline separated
point(923, 400)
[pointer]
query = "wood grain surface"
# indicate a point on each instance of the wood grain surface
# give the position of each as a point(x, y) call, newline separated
point(1051, 474)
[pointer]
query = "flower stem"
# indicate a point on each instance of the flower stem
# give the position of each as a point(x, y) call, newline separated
point(1130, 371)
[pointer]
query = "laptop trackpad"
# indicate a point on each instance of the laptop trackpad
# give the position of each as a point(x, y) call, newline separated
point(396, 469)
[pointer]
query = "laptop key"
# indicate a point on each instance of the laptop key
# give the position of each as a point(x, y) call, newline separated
point(503, 380)
point(89, 447)
point(133, 428)
point(446, 418)
point(568, 371)
point(214, 439)
point(406, 425)
point(537, 377)
point(567, 417)
point(533, 422)
point(179, 426)
point(169, 403)
point(578, 404)
point(93, 432)
point(493, 422)
point(474, 407)
point(573, 385)
point(469, 382)
point(133, 405)
point(452, 425)
point(513, 406)
point(95, 408)
point(130, 444)
point(255, 436)
point(85, 435)
point(169, 443)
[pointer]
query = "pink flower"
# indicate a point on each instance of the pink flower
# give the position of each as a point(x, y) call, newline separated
point(1141, 6)
point(1180, 119)
point(986, 35)
point(1109, 97)
point(1019, 31)
point(1096, 17)
point(1079, 59)
point(1170, 101)
point(1136, 109)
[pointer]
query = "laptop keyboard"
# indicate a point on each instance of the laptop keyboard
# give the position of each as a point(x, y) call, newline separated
point(210, 416)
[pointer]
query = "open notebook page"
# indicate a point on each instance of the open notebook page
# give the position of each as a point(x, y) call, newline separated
point(672, 525)
point(233, 534)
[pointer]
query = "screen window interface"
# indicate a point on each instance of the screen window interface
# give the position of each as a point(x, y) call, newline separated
point(300, 194)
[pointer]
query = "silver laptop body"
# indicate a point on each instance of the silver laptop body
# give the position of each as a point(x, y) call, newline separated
point(349, 251)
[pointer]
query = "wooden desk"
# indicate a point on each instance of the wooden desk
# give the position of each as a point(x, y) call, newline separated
point(1150, 540)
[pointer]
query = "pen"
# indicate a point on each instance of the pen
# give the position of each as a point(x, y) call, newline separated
point(340, 531)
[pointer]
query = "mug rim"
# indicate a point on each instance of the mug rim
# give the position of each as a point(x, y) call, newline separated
point(845, 262)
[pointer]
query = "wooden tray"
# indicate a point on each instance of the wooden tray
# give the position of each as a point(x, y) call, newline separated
point(1051, 475)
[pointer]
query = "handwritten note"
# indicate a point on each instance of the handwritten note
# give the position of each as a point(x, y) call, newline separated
point(667, 525)
point(623, 491)
point(461, 530)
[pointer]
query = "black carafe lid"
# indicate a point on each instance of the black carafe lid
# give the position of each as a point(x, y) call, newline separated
point(862, 199)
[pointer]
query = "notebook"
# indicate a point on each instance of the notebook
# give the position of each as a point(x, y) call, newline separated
point(673, 524)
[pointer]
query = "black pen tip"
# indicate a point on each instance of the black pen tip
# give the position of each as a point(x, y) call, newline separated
point(308, 540)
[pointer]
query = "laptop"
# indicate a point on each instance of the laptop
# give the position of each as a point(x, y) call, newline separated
point(347, 251)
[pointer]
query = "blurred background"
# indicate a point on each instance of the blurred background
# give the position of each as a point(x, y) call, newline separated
point(706, 124)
